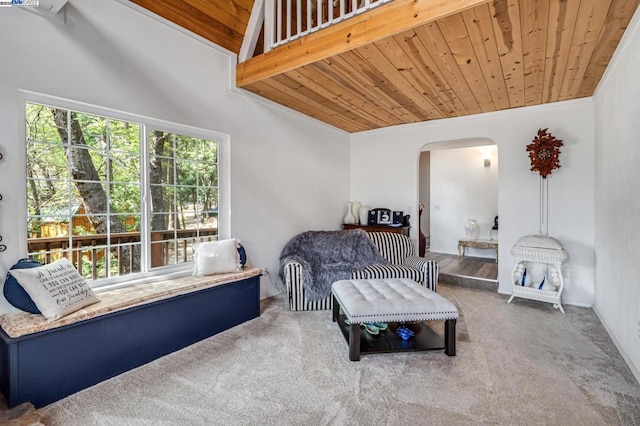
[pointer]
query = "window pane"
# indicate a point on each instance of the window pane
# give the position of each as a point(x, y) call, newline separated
point(82, 261)
point(194, 166)
point(45, 161)
point(186, 147)
point(125, 258)
point(83, 224)
point(161, 171)
point(208, 199)
point(49, 226)
point(162, 199)
point(186, 172)
point(187, 208)
point(124, 167)
point(207, 151)
point(89, 130)
point(34, 227)
point(185, 249)
point(209, 220)
point(87, 165)
point(163, 223)
point(40, 125)
point(45, 197)
point(125, 198)
point(92, 263)
point(163, 253)
point(124, 136)
point(160, 144)
point(208, 204)
point(208, 174)
point(131, 222)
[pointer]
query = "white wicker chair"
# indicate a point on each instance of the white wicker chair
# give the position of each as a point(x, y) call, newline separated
point(396, 248)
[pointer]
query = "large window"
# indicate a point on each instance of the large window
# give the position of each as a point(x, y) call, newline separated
point(116, 197)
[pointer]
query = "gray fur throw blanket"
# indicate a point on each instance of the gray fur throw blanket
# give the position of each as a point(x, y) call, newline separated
point(328, 256)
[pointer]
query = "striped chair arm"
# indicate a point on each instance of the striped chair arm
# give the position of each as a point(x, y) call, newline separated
point(429, 269)
point(293, 282)
point(295, 290)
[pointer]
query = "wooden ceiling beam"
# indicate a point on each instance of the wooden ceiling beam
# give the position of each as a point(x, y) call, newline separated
point(374, 25)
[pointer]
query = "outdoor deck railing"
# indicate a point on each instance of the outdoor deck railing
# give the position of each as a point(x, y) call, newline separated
point(122, 245)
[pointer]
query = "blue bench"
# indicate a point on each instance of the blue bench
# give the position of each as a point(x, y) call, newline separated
point(45, 366)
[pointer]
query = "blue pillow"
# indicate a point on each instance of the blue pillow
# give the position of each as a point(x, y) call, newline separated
point(242, 254)
point(13, 291)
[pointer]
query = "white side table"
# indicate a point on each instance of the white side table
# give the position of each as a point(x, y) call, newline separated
point(477, 243)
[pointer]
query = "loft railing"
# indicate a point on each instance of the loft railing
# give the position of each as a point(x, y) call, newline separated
point(287, 20)
point(93, 248)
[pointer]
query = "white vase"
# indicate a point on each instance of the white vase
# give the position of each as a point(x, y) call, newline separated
point(472, 229)
point(355, 211)
point(363, 213)
point(349, 219)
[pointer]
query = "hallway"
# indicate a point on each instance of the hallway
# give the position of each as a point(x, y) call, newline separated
point(466, 271)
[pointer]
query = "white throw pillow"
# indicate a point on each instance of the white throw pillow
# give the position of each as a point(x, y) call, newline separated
point(217, 257)
point(57, 289)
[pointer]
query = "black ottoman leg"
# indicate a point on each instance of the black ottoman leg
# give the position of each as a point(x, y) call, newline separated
point(354, 342)
point(336, 309)
point(450, 337)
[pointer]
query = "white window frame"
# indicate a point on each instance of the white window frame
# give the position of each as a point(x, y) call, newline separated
point(224, 210)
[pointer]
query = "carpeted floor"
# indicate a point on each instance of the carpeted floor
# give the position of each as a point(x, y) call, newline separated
point(517, 364)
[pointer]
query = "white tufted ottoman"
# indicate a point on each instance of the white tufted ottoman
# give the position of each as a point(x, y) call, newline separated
point(392, 300)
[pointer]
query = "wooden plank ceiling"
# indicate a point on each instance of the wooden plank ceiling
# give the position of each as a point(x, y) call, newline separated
point(223, 22)
point(483, 56)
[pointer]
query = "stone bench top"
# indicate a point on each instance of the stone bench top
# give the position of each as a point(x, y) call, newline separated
point(391, 300)
point(17, 324)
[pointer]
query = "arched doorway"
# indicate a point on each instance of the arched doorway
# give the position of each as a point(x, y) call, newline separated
point(458, 180)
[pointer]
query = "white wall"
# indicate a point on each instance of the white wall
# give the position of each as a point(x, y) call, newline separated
point(462, 188)
point(384, 171)
point(424, 188)
point(288, 173)
point(617, 199)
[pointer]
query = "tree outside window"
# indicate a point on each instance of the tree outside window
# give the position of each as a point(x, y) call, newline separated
point(86, 186)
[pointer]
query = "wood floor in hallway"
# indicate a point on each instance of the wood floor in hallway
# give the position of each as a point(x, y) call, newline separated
point(467, 271)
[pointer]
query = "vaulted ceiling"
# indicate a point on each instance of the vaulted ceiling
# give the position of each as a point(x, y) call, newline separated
point(223, 22)
point(427, 62)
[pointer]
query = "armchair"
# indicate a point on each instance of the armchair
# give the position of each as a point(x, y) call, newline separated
point(395, 248)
